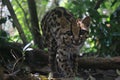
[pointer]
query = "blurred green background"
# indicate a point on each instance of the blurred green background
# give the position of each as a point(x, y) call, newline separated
point(104, 38)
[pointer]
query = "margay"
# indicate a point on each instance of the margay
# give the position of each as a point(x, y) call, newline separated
point(64, 36)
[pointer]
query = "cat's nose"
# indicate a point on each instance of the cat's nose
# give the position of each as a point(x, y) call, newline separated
point(76, 41)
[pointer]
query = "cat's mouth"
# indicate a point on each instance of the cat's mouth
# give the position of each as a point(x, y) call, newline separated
point(75, 46)
point(76, 42)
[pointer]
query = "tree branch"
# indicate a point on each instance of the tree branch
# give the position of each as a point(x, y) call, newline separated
point(38, 59)
point(25, 14)
point(16, 22)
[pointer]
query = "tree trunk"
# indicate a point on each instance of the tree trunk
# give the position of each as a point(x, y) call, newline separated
point(34, 24)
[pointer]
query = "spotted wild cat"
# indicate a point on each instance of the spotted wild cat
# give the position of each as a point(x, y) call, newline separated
point(64, 36)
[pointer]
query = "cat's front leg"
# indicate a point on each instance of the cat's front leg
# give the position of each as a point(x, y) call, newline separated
point(75, 63)
point(64, 63)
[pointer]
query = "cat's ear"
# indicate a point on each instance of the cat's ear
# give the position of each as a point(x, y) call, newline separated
point(86, 21)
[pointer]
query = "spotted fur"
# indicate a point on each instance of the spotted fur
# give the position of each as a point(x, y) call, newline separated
point(64, 36)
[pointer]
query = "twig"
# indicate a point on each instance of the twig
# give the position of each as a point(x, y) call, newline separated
point(17, 60)
point(25, 15)
point(14, 73)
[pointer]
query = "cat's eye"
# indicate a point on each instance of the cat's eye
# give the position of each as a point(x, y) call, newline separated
point(82, 32)
point(69, 33)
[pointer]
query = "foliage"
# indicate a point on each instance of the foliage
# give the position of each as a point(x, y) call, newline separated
point(21, 10)
point(104, 36)
point(104, 31)
point(3, 36)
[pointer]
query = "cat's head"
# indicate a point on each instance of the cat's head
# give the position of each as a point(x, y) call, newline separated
point(78, 33)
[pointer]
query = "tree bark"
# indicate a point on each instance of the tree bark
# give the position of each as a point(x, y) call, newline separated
point(16, 22)
point(34, 24)
point(38, 59)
